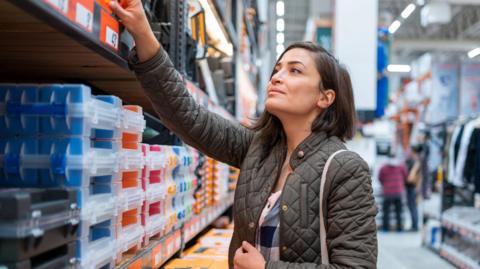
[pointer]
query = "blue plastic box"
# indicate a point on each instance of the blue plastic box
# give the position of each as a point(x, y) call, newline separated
point(58, 110)
point(54, 162)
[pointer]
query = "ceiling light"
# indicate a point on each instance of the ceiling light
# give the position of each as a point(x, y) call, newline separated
point(280, 48)
point(408, 11)
point(215, 31)
point(280, 8)
point(280, 38)
point(474, 53)
point(420, 2)
point(393, 27)
point(280, 25)
point(399, 68)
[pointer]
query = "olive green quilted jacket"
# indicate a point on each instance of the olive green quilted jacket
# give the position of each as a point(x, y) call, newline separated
point(349, 203)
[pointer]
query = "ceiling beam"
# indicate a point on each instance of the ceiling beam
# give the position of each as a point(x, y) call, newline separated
point(434, 45)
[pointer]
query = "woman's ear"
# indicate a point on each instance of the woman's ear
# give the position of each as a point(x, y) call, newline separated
point(326, 99)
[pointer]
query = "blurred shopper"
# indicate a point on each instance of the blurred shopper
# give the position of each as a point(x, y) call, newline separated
point(309, 113)
point(413, 184)
point(393, 177)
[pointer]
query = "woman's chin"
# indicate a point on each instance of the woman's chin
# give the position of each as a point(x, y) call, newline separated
point(272, 107)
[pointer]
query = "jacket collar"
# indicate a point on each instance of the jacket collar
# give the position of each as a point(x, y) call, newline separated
point(305, 149)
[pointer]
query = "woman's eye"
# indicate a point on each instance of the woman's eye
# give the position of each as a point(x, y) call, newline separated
point(296, 71)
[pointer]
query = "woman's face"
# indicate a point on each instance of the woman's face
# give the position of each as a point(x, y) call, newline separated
point(294, 86)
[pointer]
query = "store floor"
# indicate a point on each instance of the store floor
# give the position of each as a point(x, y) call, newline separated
point(404, 251)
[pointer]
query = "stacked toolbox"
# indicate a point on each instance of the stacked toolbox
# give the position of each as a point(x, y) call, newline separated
point(186, 182)
point(129, 229)
point(38, 228)
point(63, 136)
point(154, 183)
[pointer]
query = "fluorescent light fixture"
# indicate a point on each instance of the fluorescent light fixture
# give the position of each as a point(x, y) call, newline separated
point(474, 53)
point(408, 11)
point(394, 26)
point(399, 68)
point(280, 8)
point(280, 25)
point(280, 48)
point(280, 38)
point(216, 32)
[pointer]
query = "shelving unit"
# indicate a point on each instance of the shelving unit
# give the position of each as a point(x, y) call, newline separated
point(160, 251)
point(42, 43)
point(81, 41)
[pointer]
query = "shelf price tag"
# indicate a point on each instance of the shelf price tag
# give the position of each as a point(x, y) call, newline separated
point(157, 256)
point(61, 5)
point(84, 16)
point(109, 31)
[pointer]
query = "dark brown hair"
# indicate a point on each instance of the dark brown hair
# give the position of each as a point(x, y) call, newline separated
point(337, 120)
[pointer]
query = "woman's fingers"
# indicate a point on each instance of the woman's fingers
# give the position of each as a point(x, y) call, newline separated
point(118, 10)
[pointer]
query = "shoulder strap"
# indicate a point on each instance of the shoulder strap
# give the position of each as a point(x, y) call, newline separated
point(323, 234)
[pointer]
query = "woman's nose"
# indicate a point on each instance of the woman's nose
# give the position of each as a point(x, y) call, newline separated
point(277, 77)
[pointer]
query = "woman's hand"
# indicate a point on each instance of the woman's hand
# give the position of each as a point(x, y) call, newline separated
point(251, 259)
point(133, 17)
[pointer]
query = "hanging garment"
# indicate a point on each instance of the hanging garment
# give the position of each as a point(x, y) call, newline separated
point(458, 179)
point(452, 156)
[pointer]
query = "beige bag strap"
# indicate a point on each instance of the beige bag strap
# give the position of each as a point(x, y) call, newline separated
point(323, 233)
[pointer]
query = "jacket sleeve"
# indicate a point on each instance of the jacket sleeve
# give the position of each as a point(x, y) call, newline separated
point(351, 211)
point(206, 131)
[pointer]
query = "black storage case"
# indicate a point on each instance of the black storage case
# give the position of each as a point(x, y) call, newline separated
point(35, 221)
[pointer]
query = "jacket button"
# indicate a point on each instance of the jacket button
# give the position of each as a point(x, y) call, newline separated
point(300, 154)
point(284, 207)
point(251, 225)
point(284, 248)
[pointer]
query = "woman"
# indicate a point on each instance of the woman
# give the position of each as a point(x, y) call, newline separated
point(309, 112)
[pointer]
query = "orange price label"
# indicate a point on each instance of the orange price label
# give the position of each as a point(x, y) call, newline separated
point(109, 30)
point(136, 264)
point(83, 10)
point(157, 256)
point(60, 5)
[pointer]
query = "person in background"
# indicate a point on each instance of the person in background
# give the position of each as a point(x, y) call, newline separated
point(412, 185)
point(393, 177)
point(382, 79)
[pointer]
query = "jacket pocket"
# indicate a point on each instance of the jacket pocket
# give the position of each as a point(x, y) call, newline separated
point(304, 205)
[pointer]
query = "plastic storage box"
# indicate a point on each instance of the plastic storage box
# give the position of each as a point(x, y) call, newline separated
point(51, 162)
point(154, 220)
point(34, 221)
point(133, 122)
point(59, 257)
point(96, 242)
point(58, 109)
point(129, 242)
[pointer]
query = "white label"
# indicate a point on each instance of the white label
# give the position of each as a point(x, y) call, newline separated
point(60, 4)
point(158, 258)
point(112, 37)
point(84, 17)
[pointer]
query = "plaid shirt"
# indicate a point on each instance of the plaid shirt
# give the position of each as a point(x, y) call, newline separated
point(267, 241)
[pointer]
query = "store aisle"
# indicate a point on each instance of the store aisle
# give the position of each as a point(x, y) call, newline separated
point(404, 251)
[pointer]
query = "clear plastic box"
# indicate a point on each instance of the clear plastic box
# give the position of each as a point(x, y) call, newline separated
point(155, 192)
point(97, 254)
point(96, 241)
point(154, 226)
point(133, 120)
point(58, 109)
point(128, 218)
point(131, 159)
point(97, 201)
point(156, 160)
point(52, 162)
point(131, 240)
point(130, 193)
